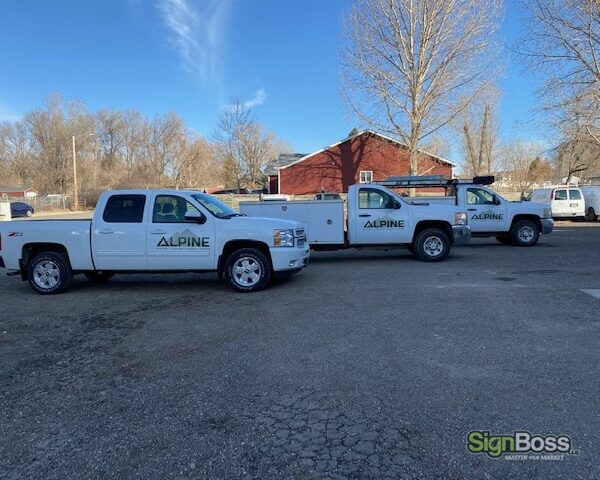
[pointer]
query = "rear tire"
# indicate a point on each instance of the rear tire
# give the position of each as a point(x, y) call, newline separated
point(248, 270)
point(504, 239)
point(432, 245)
point(49, 273)
point(591, 215)
point(524, 233)
point(99, 277)
point(28, 213)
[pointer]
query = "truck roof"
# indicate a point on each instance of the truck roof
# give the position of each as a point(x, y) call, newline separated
point(141, 191)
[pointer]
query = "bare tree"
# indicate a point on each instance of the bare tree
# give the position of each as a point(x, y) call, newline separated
point(411, 66)
point(195, 166)
point(562, 44)
point(524, 166)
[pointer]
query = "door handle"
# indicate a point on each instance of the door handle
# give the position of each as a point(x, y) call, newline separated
point(364, 215)
point(157, 232)
point(106, 231)
point(472, 209)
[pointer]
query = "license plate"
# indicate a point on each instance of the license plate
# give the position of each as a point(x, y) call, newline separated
point(574, 205)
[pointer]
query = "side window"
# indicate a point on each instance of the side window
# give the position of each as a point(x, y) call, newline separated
point(574, 194)
point(171, 209)
point(372, 198)
point(479, 196)
point(366, 176)
point(560, 195)
point(124, 209)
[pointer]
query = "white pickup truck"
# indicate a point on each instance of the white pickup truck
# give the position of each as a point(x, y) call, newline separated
point(512, 223)
point(134, 231)
point(376, 217)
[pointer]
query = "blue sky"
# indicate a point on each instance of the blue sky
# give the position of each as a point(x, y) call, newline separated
point(193, 56)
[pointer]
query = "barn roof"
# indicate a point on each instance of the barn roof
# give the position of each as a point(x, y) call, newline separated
point(16, 189)
point(384, 137)
point(283, 160)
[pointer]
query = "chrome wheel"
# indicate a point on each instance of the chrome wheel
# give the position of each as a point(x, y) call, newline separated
point(247, 271)
point(526, 234)
point(433, 246)
point(46, 274)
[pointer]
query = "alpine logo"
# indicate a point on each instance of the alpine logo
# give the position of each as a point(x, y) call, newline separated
point(385, 222)
point(184, 240)
point(488, 215)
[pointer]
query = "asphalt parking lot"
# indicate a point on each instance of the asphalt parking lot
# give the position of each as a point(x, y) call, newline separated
point(366, 365)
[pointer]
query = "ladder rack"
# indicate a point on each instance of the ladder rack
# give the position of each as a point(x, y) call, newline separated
point(432, 181)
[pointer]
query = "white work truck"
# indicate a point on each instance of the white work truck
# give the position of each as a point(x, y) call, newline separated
point(376, 217)
point(134, 231)
point(489, 215)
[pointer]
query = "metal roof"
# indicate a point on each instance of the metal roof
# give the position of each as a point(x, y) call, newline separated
point(283, 160)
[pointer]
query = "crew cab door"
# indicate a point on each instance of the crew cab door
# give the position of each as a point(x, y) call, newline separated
point(487, 212)
point(174, 243)
point(119, 234)
point(379, 218)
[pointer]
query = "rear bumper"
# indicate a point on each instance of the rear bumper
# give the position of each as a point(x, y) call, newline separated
point(461, 234)
point(289, 259)
point(547, 225)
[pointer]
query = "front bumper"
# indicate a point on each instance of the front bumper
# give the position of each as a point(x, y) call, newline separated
point(547, 225)
point(286, 259)
point(461, 234)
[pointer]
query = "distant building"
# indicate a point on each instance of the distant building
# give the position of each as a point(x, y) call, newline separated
point(361, 158)
point(18, 192)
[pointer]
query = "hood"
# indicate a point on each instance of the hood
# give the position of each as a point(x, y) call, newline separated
point(266, 223)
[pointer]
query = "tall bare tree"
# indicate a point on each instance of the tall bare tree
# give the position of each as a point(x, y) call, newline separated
point(524, 166)
point(411, 66)
point(562, 45)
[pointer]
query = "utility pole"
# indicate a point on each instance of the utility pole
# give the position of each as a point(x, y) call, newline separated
point(75, 193)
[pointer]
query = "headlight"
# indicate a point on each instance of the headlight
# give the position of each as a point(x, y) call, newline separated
point(283, 238)
point(460, 218)
point(547, 213)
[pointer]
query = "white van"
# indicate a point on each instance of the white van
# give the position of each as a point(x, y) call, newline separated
point(591, 195)
point(565, 201)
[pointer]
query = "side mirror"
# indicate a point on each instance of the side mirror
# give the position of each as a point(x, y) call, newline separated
point(496, 200)
point(195, 217)
point(396, 205)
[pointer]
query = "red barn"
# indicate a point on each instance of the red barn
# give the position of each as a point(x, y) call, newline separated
point(364, 157)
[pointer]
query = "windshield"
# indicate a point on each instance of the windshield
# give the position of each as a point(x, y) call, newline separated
point(218, 209)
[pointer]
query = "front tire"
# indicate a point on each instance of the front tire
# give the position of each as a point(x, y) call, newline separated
point(28, 213)
point(248, 270)
point(432, 245)
point(49, 273)
point(525, 233)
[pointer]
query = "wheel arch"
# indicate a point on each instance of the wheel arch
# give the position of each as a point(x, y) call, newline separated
point(440, 224)
point(30, 250)
point(526, 216)
point(233, 245)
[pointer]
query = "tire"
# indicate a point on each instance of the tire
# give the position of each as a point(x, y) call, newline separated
point(432, 245)
point(28, 213)
point(248, 270)
point(525, 233)
point(99, 277)
point(591, 215)
point(504, 239)
point(49, 273)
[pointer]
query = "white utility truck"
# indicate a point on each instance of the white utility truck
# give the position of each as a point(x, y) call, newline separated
point(512, 223)
point(376, 217)
point(135, 231)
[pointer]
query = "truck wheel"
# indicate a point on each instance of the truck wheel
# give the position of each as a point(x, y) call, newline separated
point(432, 245)
point(504, 239)
point(248, 270)
point(591, 215)
point(99, 277)
point(524, 233)
point(49, 273)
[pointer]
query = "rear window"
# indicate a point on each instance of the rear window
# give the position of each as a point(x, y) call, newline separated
point(575, 194)
point(125, 209)
point(560, 195)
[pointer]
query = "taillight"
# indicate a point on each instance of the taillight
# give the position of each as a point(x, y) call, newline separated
point(551, 195)
point(0, 242)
